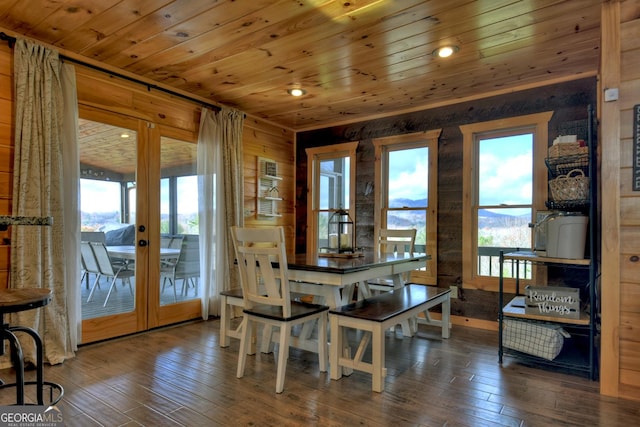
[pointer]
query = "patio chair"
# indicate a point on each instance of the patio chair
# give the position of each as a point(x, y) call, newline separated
point(89, 265)
point(109, 270)
point(89, 236)
point(267, 298)
point(168, 266)
point(188, 267)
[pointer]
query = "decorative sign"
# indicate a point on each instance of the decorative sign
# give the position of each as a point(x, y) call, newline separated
point(636, 147)
point(553, 301)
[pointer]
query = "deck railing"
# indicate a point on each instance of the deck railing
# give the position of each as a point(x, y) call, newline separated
point(489, 263)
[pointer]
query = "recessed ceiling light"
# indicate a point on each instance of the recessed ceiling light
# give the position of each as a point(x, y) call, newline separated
point(445, 51)
point(296, 92)
point(124, 135)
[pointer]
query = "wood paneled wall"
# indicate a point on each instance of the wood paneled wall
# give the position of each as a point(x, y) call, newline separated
point(262, 139)
point(103, 92)
point(569, 102)
point(620, 366)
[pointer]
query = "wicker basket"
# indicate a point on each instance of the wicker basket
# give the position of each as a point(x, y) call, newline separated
point(567, 149)
point(572, 186)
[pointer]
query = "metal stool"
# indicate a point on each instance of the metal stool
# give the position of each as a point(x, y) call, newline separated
point(13, 301)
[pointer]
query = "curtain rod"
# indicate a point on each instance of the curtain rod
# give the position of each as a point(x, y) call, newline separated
point(11, 41)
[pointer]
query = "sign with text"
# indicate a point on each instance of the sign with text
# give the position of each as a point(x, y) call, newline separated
point(636, 147)
point(553, 301)
point(31, 416)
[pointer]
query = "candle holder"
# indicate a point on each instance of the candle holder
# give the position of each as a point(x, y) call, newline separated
point(340, 236)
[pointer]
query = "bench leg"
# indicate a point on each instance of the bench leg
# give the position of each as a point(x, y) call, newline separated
point(335, 348)
point(377, 358)
point(408, 328)
point(322, 342)
point(446, 317)
point(225, 322)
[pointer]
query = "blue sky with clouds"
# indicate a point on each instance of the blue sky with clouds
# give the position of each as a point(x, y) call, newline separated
point(506, 170)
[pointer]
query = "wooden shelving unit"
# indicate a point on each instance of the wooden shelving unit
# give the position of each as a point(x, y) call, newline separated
point(579, 353)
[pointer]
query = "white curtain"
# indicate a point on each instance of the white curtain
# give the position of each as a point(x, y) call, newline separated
point(71, 180)
point(38, 253)
point(221, 199)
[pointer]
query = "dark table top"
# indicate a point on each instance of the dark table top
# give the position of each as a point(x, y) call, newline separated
point(348, 265)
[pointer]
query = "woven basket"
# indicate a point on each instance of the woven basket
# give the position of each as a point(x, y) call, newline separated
point(572, 186)
point(567, 149)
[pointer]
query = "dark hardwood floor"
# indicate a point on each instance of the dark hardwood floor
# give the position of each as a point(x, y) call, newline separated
point(180, 376)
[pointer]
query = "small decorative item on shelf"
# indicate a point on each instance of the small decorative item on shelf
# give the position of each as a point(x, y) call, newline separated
point(567, 145)
point(553, 301)
point(570, 187)
point(340, 236)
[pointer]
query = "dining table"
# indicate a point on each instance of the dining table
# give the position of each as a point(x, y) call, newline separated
point(332, 281)
point(128, 252)
point(333, 278)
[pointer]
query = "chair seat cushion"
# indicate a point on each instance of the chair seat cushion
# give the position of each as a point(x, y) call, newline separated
point(298, 310)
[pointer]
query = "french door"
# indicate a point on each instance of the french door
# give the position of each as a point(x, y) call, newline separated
point(138, 196)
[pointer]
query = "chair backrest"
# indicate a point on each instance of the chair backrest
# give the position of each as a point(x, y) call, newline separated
point(172, 242)
point(176, 242)
point(102, 257)
point(89, 262)
point(189, 261)
point(257, 249)
point(398, 241)
point(165, 241)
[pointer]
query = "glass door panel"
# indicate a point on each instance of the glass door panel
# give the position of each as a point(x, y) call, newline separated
point(180, 273)
point(110, 291)
point(177, 294)
point(139, 202)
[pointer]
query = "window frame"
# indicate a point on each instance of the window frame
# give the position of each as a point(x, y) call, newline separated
point(383, 146)
point(538, 125)
point(314, 156)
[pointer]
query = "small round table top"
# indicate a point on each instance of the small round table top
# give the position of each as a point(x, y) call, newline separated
point(14, 300)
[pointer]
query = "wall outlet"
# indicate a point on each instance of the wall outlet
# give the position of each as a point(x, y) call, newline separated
point(454, 291)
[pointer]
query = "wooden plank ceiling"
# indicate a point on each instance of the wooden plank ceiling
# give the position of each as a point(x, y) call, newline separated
point(355, 58)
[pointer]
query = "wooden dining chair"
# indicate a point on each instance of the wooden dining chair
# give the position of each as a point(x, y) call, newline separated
point(264, 277)
point(398, 242)
point(393, 241)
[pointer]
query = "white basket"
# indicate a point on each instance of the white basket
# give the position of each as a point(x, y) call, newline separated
point(538, 339)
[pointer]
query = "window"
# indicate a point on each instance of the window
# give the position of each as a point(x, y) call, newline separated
point(504, 184)
point(331, 180)
point(100, 204)
point(178, 187)
point(187, 205)
point(407, 181)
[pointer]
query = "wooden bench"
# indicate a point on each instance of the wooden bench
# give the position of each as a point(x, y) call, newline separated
point(374, 316)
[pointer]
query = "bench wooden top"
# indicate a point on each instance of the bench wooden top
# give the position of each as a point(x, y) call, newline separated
point(390, 304)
